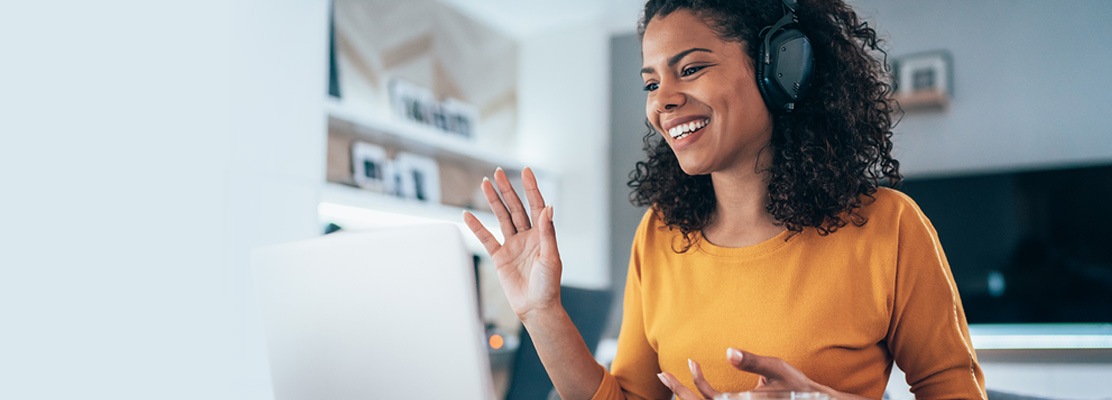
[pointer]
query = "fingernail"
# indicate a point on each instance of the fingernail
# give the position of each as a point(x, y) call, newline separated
point(485, 179)
point(662, 378)
point(691, 364)
point(499, 169)
point(733, 355)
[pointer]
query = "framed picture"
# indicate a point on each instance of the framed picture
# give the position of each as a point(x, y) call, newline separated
point(419, 177)
point(461, 117)
point(418, 104)
point(923, 80)
point(413, 102)
point(371, 167)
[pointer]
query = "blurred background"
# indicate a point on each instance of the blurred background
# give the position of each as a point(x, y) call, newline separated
point(146, 148)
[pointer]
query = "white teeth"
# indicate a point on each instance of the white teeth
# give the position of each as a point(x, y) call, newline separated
point(682, 130)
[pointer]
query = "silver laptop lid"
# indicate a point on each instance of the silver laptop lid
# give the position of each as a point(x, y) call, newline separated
point(389, 313)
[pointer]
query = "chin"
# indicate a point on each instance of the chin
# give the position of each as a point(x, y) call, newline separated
point(692, 168)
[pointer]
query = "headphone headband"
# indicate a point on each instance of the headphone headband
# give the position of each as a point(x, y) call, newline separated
point(788, 18)
point(790, 4)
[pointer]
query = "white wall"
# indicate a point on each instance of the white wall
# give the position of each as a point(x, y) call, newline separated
point(145, 148)
point(563, 126)
point(1029, 90)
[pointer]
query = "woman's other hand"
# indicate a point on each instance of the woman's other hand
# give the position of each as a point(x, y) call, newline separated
point(775, 375)
point(528, 261)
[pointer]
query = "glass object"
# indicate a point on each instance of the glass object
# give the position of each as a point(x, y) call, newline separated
point(773, 395)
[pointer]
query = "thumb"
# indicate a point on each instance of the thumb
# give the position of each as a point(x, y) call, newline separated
point(549, 251)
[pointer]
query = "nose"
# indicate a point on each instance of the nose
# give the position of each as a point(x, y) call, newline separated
point(667, 98)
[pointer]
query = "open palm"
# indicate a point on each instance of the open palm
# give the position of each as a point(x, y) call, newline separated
point(528, 260)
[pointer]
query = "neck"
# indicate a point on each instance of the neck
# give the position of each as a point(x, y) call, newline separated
point(741, 215)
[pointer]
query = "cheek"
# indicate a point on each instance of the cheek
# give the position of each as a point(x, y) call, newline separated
point(744, 100)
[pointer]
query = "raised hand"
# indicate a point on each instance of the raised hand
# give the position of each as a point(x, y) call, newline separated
point(528, 260)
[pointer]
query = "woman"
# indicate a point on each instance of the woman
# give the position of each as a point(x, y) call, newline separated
point(768, 237)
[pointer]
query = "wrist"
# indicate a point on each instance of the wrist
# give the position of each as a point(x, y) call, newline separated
point(543, 316)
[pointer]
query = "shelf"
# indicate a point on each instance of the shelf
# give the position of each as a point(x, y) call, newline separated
point(428, 139)
point(354, 208)
point(460, 161)
point(1040, 336)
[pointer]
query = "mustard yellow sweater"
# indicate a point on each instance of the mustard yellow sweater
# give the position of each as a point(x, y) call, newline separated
point(841, 308)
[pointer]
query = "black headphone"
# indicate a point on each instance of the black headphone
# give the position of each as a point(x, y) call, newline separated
point(785, 63)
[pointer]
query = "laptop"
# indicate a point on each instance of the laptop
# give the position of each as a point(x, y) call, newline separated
point(381, 314)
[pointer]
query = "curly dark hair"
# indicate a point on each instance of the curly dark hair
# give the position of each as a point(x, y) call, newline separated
point(829, 155)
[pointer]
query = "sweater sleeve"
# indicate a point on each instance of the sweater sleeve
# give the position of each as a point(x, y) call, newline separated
point(633, 373)
point(928, 335)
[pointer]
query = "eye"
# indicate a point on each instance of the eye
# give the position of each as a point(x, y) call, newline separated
point(651, 86)
point(691, 70)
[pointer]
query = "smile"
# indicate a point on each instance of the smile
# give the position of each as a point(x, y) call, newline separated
point(683, 130)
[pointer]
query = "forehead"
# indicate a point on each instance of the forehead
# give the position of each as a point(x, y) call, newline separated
point(680, 30)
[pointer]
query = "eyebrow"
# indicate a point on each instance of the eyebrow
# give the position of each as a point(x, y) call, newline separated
point(676, 58)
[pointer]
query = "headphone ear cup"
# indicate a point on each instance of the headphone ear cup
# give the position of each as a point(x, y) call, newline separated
point(787, 77)
point(762, 79)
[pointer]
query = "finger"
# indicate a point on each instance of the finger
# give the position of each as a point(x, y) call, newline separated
point(768, 367)
point(548, 235)
point(532, 194)
point(509, 196)
point(498, 208)
point(776, 374)
point(772, 369)
point(700, 382)
point(681, 391)
point(490, 243)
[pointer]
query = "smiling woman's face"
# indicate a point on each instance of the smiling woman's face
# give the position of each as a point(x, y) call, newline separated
point(703, 95)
